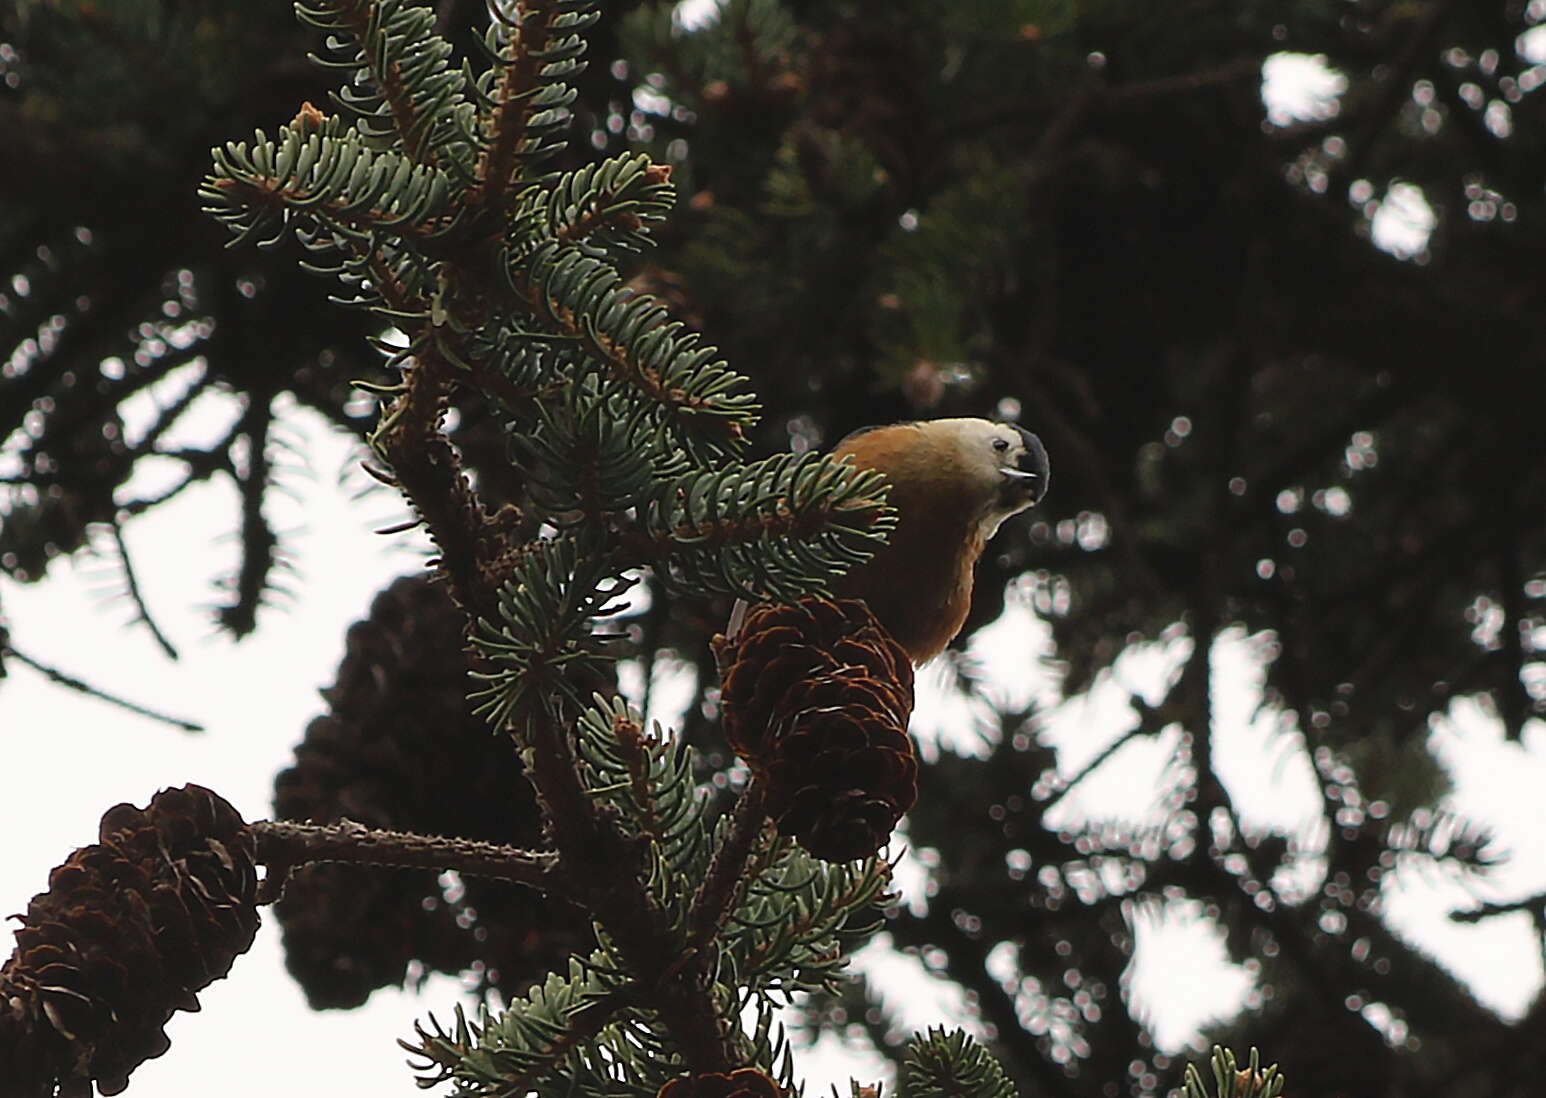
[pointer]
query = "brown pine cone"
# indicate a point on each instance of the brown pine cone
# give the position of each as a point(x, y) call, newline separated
point(816, 697)
point(398, 735)
point(128, 931)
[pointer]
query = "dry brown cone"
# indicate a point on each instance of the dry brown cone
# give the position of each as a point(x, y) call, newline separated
point(398, 735)
point(741, 1083)
point(128, 931)
point(816, 697)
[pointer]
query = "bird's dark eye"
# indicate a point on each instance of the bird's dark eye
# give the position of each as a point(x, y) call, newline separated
point(1001, 444)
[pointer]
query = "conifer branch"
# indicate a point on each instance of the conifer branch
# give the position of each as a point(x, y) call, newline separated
point(588, 456)
point(721, 531)
point(635, 751)
point(604, 870)
point(417, 95)
point(647, 781)
point(527, 60)
point(952, 1065)
point(537, 1038)
point(797, 947)
point(540, 653)
point(285, 846)
point(720, 891)
point(659, 544)
point(426, 467)
point(361, 20)
point(337, 187)
point(429, 473)
point(1234, 1080)
point(610, 203)
point(632, 337)
point(620, 416)
point(526, 36)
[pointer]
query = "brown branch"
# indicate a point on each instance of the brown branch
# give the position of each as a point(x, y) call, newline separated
point(1231, 72)
point(635, 749)
point(284, 846)
point(604, 872)
point(429, 473)
point(1067, 787)
point(1068, 111)
point(528, 40)
point(722, 884)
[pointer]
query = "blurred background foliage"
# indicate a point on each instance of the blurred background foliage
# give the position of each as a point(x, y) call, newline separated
point(1264, 276)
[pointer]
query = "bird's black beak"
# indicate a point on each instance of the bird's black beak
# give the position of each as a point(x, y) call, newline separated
point(1031, 474)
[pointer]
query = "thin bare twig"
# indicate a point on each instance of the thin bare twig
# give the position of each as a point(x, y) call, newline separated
point(86, 688)
point(1067, 111)
point(137, 597)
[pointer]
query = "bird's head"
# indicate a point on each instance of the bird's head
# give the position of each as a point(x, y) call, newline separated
point(1002, 463)
point(992, 469)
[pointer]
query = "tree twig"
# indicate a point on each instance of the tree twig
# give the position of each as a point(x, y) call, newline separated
point(603, 869)
point(86, 688)
point(137, 597)
point(284, 846)
point(1390, 95)
point(717, 894)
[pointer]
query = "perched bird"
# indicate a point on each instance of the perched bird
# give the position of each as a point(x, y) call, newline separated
point(814, 696)
point(953, 482)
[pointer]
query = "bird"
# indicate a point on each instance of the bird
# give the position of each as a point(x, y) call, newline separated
point(953, 483)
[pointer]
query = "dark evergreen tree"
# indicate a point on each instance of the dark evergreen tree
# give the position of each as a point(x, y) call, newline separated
point(1077, 211)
